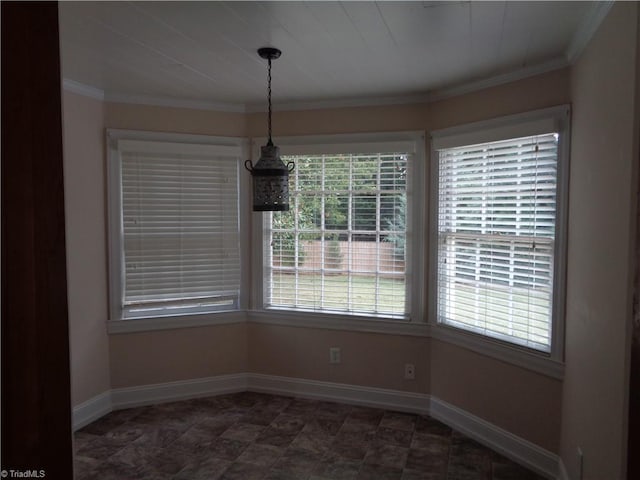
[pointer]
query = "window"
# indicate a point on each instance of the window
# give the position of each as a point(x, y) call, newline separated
point(174, 225)
point(498, 247)
point(346, 244)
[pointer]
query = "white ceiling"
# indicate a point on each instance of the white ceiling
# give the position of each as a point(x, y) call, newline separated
point(204, 53)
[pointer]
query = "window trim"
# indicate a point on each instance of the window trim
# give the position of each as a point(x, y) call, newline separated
point(346, 143)
point(119, 323)
point(511, 126)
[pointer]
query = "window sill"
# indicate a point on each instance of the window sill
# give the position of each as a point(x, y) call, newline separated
point(514, 355)
point(330, 321)
point(173, 322)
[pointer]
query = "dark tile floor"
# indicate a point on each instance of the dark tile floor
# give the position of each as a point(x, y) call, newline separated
point(248, 436)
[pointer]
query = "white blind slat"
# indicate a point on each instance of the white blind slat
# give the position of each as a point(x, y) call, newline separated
point(180, 226)
point(496, 224)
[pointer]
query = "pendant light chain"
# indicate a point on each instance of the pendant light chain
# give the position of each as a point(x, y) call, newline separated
point(270, 175)
point(269, 96)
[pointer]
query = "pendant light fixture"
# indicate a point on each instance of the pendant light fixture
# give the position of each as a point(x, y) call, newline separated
point(270, 174)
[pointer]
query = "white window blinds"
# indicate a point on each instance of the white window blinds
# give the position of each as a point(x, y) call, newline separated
point(496, 235)
point(342, 246)
point(180, 237)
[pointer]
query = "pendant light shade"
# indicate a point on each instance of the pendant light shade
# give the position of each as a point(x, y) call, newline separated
point(270, 174)
point(270, 180)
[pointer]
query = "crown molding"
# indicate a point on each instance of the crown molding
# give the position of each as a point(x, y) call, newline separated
point(433, 96)
point(430, 97)
point(588, 29)
point(345, 103)
point(175, 102)
point(496, 80)
point(82, 89)
point(94, 92)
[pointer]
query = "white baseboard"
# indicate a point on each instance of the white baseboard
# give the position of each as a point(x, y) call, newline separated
point(91, 410)
point(340, 392)
point(518, 449)
point(180, 390)
point(120, 398)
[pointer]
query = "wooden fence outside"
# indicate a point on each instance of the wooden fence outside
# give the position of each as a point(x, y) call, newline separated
point(357, 257)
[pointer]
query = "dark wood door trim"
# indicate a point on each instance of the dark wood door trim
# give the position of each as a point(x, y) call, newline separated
point(36, 416)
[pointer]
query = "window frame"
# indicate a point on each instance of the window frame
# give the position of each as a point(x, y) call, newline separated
point(415, 324)
point(119, 322)
point(502, 128)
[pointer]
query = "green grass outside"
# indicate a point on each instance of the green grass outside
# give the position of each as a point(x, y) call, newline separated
point(510, 312)
point(358, 293)
point(339, 292)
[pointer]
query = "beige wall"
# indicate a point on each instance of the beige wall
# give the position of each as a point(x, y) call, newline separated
point(86, 245)
point(340, 120)
point(182, 354)
point(532, 93)
point(603, 189)
point(368, 359)
point(175, 120)
point(520, 401)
